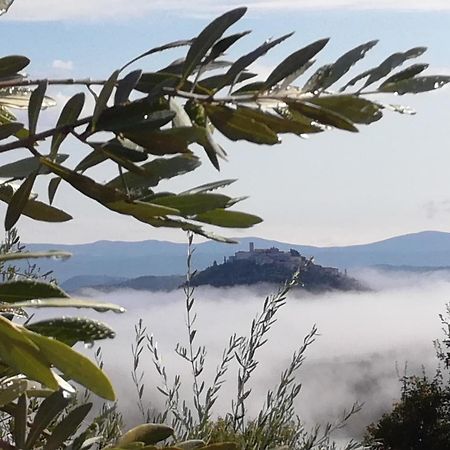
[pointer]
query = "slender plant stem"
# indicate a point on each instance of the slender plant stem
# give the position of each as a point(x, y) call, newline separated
point(30, 140)
point(62, 81)
point(189, 291)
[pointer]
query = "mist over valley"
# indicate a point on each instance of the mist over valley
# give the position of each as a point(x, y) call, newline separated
point(366, 341)
point(367, 338)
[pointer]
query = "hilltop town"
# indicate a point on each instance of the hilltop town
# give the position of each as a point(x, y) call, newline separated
point(271, 265)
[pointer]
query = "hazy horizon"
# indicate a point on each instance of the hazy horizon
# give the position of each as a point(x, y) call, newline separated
point(200, 239)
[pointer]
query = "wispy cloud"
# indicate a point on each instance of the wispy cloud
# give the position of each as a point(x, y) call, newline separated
point(433, 208)
point(51, 10)
point(62, 65)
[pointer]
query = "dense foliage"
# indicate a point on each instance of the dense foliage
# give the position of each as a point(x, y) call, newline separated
point(420, 420)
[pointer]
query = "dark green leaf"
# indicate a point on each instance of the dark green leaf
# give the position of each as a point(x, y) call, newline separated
point(244, 61)
point(405, 74)
point(25, 167)
point(155, 171)
point(122, 161)
point(35, 105)
point(149, 433)
point(152, 121)
point(416, 85)
point(18, 201)
point(102, 100)
point(278, 124)
point(328, 75)
point(209, 187)
point(84, 184)
point(90, 160)
point(322, 115)
point(219, 81)
point(354, 108)
point(191, 204)
point(390, 63)
point(141, 113)
point(236, 126)
point(111, 198)
point(52, 188)
point(74, 365)
point(177, 66)
point(10, 65)
point(67, 427)
point(20, 290)
point(294, 62)
point(10, 129)
point(249, 88)
point(161, 48)
point(142, 211)
point(149, 81)
point(20, 421)
point(125, 86)
point(164, 142)
point(35, 209)
point(228, 219)
point(69, 114)
point(207, 38)
point(49, 410)
point(116, 148)
point(71, 330)
point(221, 46)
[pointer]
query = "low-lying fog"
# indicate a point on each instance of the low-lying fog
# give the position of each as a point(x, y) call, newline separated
point(366, 339)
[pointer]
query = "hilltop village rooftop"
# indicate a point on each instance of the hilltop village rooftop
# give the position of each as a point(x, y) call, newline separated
point(291, 259)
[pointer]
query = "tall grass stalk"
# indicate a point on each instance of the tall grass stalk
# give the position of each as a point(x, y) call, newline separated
point(277, 423)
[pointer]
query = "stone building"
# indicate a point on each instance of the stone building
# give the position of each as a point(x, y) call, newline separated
point(291, 259)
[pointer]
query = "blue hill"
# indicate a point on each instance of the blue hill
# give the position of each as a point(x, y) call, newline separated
point(134, 259)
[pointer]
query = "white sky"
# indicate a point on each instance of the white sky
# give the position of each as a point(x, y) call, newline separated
point(96, 9)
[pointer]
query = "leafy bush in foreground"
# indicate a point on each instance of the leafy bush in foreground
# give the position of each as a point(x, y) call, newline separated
point(420, 420)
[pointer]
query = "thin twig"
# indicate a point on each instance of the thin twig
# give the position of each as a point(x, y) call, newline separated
point(62, 81)
point(30, 140)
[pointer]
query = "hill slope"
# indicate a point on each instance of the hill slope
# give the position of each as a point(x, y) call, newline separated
point(134, 259)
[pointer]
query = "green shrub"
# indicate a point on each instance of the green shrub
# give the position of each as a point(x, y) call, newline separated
point(419, 421)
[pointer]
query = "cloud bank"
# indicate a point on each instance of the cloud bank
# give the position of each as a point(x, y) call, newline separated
point(98, 10)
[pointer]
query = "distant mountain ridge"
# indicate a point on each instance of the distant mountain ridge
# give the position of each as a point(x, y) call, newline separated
point(135, 259)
